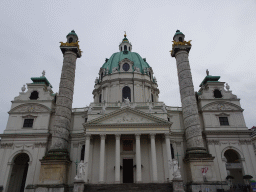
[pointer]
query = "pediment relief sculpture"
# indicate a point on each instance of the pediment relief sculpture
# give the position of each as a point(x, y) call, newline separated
point(127, 118)
point(30, 108)
point(221, 106)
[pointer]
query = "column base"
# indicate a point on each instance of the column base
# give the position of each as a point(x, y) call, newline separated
point(178, 185)
point(117, 182)
point(54, 172)
point(79, 186)
point(47, 188)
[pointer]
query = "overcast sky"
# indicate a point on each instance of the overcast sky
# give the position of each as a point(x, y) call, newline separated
point(223, 35)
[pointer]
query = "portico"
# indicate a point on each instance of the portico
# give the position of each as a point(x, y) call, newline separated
point(134, 142)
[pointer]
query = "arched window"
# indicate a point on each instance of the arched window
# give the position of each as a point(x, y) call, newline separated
point(180, 39)
point(19, 173)
point(125, 48)
point(121, 48)
point(129, 48)
point(70, 40)
point(217, 93)
point(126, 93)
point(100, 98)
point(34, 95)
point(149, 75)
point(82, 153)
point(152, 98)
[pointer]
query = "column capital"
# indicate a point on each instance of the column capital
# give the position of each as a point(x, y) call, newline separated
point(88, 136)
point(118, 136)
point(102, 136)
point(152, 135)
point(167, 135)
point(137, 135)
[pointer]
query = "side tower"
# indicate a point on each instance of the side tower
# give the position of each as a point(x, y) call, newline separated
point(54, 166)
point(196, 150)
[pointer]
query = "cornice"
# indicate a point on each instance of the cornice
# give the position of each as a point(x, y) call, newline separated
point(24, 135)
point(142, 125)
point(231, 132)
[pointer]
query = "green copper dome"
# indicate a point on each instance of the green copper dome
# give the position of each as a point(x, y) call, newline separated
point(119, 56)
point(178, 33)
point(72, 33)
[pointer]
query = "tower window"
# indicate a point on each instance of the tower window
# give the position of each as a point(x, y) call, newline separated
point(223, 121)
point(100, 98)
point(28, 122)
point(121, 48)
point(70, 40)
point(217, 93)
point(129, 48)
point(34, 95)
point(126, 93)
point(149, 75)
point(125, 48)
point(152, 98)
point(180, 39)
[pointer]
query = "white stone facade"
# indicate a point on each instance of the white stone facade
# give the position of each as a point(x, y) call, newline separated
point(155, 133)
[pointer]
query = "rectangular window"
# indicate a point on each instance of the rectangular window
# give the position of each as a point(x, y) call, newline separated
point(223, 121)
point(28, 122)
point(127, 145)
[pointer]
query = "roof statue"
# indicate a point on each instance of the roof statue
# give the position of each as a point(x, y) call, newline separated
point(207, 72)
point(43, 73)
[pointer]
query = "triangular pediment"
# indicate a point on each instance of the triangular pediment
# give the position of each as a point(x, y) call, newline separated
point(127, 115)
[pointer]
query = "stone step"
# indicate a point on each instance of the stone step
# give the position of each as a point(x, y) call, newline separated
point(129, 187)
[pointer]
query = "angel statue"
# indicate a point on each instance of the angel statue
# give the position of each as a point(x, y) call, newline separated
point(176, 169)
point(126, 101)
point(80, 170)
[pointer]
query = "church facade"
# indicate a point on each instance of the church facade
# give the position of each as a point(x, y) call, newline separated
point(126, 135)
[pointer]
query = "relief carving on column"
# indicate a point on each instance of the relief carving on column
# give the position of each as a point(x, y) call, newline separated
point(67, 83)
point(189, 111)
point(63, 111)
point(66, 92)
point(183, 66)
point(192, 120)
point(68, 75)
point(61, 122)
point(193, 131)
point(64, 101)
point(195, 142)
point(184, 74)
point(188, 91)
point(185, 83)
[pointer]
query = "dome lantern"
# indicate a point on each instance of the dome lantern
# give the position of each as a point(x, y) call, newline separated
point(125, 45)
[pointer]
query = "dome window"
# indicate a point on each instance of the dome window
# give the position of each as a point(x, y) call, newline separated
point(101, 76)
point(100, 98)
point(125, 48)
point(180, 39)
point(126, 67)
point(217, 93)
point(70, 40)
point(34, 95)
point(126, 93)
point(121, 48)
point(129, 48)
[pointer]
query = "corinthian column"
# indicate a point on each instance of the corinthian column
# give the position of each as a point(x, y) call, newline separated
point(193, 131)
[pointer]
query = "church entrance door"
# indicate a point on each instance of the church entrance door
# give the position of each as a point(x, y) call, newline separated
point(127, 170)
point(19, 173)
